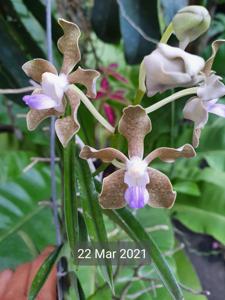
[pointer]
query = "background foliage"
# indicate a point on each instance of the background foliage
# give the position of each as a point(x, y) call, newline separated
point(25, 216)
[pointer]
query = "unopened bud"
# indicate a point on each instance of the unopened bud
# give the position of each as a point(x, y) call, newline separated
point(189, 23)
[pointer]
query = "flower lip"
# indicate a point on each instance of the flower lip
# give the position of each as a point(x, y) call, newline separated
point(136, 167)
point(136, 172)
point(136, 197)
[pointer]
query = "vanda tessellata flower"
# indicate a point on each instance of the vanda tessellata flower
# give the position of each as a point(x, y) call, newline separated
point(53, 88)
point(208, 93)
point(135, 183)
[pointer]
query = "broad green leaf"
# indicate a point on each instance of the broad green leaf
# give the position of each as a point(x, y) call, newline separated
point(91, 211)
point(105, 20)
point(22, 210)
point(42, 273)
point(135, 230)
point(187, 187)
point(204, 214)
point(157, 222)
point(144, 15)
point(188, 276)
point(70, 199)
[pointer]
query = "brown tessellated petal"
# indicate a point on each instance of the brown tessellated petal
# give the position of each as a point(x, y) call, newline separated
point(113, 189)
point(106, 154)
point(65, 129)
point(160, 190)
point(171, 154)
point(215, 47)
point(134, 125)
point(35, 117)
point(68, 45)
point(36, 67)
point(87, 78)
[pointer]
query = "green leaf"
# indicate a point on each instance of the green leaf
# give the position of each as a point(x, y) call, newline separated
point(188, 276)
point(135, 230)
point(70, 199)
point(105, 20)
point(187, 187)
point(22, 209)
point(92, 212)
point(204, 214)
point(42, 273)
point(144, 15)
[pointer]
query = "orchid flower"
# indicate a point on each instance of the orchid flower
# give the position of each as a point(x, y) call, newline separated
point(210, 90)
point(170, 67)
point(106, 91)
point(48, 96)
point(135, 183)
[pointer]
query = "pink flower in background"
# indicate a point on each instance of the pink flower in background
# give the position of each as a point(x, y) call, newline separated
point(106, 91)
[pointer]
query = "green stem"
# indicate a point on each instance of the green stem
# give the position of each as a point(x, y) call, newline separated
point(93, 110)
point(171, 98)
point(70, 200)
point(167, 34)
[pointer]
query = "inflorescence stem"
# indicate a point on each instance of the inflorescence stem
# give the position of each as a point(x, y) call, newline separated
point(93, 110)
point(171, 98)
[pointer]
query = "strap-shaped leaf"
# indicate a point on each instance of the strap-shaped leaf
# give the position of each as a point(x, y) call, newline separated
point(134, 229)
point(70, 200)
point(42, 273)
point(92, 212)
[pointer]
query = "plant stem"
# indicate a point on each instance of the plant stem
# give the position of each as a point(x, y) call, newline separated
point(166, 35)
point(93, 110)
point(17, 91)
point(171, 98)
point(52, 149)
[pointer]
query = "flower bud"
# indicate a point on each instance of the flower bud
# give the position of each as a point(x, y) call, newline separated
point(169, 67)
point(189, 23)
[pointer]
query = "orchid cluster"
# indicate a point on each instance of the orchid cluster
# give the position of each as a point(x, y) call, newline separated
point(134, 183)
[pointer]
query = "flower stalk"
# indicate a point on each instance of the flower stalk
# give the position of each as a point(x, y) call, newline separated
point(167, 34)
point(171, 98)
point(93, 110)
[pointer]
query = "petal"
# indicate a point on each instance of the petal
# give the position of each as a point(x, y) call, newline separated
point(171, 154)
point(113, 190)
point(87, 78)
point(134, 125)
point(217, 109)
point(212, 88)
point(68, 45)
point(195, 111)
point(35, 117)
point(215, 47)
point(39, 101)
point(65, 129)
point(136, 196)
point(36, 67)
point(106, 154)
point(193, 63)
point(196, 137)
point(168, 67)
point(160, 190)
point(74, 100)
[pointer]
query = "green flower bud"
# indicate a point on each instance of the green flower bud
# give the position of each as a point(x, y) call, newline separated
point(189, 23)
